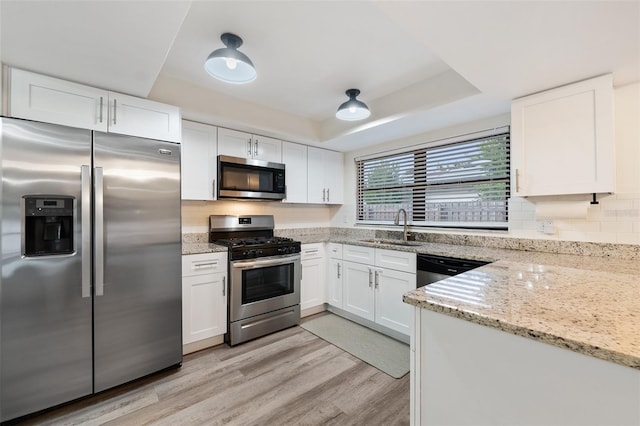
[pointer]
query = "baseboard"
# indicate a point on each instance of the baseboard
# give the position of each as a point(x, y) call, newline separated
point(370, 324)
point(313, 310)
point(202, 344)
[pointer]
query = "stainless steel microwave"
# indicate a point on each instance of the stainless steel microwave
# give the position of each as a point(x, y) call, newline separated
point(242, 178)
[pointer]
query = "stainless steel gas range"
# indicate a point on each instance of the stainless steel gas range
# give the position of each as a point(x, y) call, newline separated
point(264, 276)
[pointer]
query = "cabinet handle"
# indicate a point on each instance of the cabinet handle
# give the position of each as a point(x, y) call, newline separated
point(377, 279)
point(205, 265)
point(224, 286)
point(255, 149)
point(324, 191)
point(370, 278)
point(213, 190)
point(327, 195)
point(114, 111)
point(338, 270)
point(249, 145)
point(517, 180)
point(101, 102)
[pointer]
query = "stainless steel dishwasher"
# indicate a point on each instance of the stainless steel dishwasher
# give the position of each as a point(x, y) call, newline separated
point(433, 268)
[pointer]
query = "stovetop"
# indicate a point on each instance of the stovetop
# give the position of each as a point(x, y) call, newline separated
point(255, 241)
point(249, 236)
point(249, 248)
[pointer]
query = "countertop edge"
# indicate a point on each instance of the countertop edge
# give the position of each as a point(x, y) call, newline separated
point(539, 336)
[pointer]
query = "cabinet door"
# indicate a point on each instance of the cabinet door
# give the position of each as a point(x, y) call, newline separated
point(234, 143)
point(204, 296)
point(390, 310)
point(335, 283)
point(359, 254)
point(294, 157)
point(316, 190)
point(358, 290)
point(51, 100)
point(198, 159)
point(334, 176)
point(395, 259)
point(267, 149)
point(204, 312)
point(312, 284)
point(562, 140)
point(325, 173)
point(129, 115)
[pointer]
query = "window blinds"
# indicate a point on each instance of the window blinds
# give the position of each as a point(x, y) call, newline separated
point(461, 184)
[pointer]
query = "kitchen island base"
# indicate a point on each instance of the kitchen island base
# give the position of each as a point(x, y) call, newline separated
point(464, 373)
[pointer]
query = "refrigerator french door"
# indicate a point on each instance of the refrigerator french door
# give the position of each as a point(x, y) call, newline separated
point(90, 293)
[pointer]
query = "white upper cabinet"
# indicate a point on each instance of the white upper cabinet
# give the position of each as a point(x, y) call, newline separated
point(246, 145)
point(562, 140)
point(294, 157)
point(41, 98)
point(198, 160)
point(37, 97)
point(325, 174)
point(129, 115)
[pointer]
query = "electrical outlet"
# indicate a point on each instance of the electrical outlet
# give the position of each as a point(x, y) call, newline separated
point(546, 227)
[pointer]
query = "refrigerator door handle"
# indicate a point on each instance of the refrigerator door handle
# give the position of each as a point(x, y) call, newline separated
point(99, 231)
point(85, 229)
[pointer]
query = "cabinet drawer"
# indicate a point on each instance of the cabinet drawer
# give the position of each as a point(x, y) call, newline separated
point(398, 260)
point(335, 250)
point(206, 263)
point(358, 254)
point(311, 251)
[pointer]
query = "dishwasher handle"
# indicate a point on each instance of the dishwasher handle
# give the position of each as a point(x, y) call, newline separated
point(446, 265)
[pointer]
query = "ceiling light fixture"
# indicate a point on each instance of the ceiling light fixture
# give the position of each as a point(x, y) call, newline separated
point(353, 109)
point(228, 64)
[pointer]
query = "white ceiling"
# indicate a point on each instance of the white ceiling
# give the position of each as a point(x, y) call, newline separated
point(420, 65)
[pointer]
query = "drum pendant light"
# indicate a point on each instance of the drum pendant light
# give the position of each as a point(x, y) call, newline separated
point(228, 64)
point(353, 109)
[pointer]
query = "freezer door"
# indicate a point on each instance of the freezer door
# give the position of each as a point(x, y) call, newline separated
point(137, 254)
point(45, 305)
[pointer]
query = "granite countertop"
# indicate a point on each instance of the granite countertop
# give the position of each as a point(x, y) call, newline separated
point(585, 304)
point(588, 304)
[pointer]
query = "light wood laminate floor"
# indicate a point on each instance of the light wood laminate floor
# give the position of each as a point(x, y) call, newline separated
point(288, 378)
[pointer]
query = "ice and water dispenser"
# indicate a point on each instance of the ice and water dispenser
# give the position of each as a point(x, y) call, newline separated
point(48, 225)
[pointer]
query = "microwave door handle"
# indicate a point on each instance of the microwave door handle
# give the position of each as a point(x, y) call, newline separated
point(261, 263)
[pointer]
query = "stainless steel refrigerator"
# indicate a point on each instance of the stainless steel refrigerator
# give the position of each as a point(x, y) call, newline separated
point(90, 291)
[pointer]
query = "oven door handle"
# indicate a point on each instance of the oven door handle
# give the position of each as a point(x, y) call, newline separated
point(258, 263)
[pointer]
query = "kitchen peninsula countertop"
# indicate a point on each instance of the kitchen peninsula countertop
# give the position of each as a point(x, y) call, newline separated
point(587, 304)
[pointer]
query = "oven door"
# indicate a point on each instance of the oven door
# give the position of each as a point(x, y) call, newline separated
point(262, 285)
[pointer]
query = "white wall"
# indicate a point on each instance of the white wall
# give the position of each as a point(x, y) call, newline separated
point(615, 220)
point(210, 107)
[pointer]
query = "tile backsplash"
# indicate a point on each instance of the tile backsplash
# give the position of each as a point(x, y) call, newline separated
point(615, 219)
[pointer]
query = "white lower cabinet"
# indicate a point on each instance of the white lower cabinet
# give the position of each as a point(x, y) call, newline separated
point(390, 310)
point(204, 296)
point(374, 292)
point(312, 294)
point(335, 272)
point(358, 289)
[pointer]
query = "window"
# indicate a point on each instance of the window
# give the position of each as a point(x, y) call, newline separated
point(462, 183)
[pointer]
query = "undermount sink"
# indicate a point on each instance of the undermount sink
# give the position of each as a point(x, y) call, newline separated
point(393, 242)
